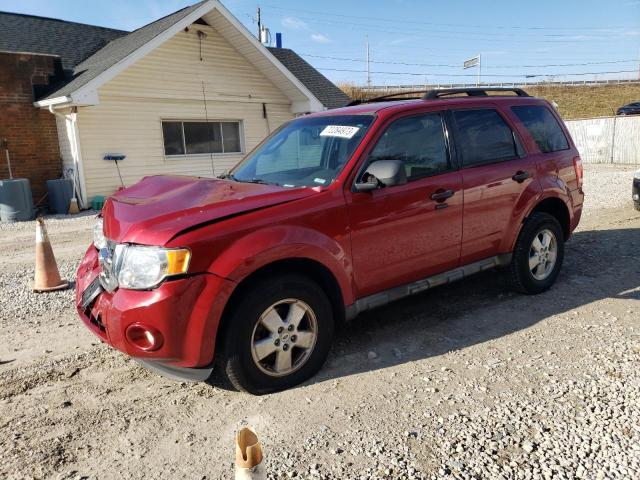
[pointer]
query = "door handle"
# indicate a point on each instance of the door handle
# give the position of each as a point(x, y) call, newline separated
point(520, 176)
point(441, 195)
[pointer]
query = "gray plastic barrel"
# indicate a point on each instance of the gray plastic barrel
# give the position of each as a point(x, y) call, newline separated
point(16, 203)
point(60, 194)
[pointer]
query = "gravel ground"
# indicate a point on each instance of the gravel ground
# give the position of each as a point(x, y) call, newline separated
point(464, 381)
point(607, 186)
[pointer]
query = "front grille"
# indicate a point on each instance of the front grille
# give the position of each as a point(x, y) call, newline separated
point(97, 321)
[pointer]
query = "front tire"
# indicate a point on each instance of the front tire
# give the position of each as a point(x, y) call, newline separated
point(538, 254)
point(279, 335)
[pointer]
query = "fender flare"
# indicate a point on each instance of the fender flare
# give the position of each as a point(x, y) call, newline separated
point(285, 242)
point(557, 193)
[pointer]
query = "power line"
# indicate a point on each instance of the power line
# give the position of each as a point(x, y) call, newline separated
point(405, 21)
point(434, 74)
point(448, 34)
point(459, 65)
point(572, 39)
point(575, 41)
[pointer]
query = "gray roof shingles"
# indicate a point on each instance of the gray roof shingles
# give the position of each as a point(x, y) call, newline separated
point(89, 50)
point(323, 89)
point(119, 49)
point(72, 42)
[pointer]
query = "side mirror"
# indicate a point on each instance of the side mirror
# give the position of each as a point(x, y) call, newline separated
point(382, 173)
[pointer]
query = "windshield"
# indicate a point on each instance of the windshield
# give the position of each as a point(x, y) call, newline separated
point(305, 152)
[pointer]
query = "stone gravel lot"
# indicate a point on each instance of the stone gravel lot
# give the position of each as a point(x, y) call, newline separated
point(464, 381)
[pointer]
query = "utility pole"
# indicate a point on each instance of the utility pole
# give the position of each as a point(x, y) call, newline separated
point(368, 61)
point(479, 68)
point(259, 23)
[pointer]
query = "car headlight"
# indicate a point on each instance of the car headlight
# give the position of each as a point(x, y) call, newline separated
point(143, 267)
point(99, 240)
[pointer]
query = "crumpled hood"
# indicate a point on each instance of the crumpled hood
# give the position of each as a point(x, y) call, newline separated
point(155, 209)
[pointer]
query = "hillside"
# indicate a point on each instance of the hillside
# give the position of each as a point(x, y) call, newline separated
point(575, 101)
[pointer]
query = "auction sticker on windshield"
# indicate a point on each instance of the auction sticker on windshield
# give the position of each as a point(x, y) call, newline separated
point(341, 131)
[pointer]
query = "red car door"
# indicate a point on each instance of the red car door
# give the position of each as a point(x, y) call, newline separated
point(406, 232)
point(498, 179)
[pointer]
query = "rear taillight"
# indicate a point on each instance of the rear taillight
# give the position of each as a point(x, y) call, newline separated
point(577, 165)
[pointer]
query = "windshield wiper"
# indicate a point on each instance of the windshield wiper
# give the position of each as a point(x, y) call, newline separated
point(229, 176)
point(257, 180)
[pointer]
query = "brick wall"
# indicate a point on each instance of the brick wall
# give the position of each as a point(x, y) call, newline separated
point(30, 132)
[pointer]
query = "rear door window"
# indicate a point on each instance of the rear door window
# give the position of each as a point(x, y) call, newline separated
point(484, 137)
point(543, 127)
point(418, 141)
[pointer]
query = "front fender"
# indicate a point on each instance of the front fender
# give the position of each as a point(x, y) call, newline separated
point(285, 242)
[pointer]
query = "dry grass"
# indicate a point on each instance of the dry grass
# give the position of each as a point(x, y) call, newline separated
point(573, 101)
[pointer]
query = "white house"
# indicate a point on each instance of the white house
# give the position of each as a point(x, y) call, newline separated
point(190, 93)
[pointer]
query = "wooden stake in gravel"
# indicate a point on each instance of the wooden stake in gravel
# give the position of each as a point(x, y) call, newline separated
point(249, 460)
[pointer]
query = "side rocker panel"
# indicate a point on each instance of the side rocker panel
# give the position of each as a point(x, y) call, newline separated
point(387, 296)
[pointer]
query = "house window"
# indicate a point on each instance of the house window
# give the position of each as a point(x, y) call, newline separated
point(197, 137)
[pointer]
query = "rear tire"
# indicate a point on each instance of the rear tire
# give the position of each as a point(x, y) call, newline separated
point(538, 254)
point(279, 335)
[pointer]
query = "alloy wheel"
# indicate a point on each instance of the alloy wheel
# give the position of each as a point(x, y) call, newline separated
point(284, 337)
point(543, 254)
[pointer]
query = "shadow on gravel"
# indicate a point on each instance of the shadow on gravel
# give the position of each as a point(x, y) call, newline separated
point(598, 264)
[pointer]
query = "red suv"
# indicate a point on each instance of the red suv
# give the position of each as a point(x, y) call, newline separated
point(333, 214)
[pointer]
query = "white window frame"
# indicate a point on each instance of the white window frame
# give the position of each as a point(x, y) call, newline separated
point(202, 120)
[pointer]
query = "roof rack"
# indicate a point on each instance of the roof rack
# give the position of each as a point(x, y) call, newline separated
point(387, 97)
point(471, 92)
point(440, 93)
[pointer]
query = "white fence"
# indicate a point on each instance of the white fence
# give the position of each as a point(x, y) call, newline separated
point(607, 140)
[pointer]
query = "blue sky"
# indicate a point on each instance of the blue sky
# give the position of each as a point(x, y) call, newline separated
point(413, 41)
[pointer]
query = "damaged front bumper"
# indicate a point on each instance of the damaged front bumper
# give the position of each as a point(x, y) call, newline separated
point(170, 329)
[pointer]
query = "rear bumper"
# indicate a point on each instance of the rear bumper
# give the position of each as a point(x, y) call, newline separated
point(186, 313)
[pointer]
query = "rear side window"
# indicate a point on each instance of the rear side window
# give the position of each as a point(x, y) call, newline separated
point(418, 141)
point(543, 127)
point(484, 137)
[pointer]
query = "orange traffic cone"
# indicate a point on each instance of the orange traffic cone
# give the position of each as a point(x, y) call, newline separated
point(249, 465)
point(47, 276)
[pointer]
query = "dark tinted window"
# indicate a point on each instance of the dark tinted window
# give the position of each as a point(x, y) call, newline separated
point(484, 137)
point(231, 136)
point(418, 141)
point(201, 137)
point(542, 126)
point(172, 133)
